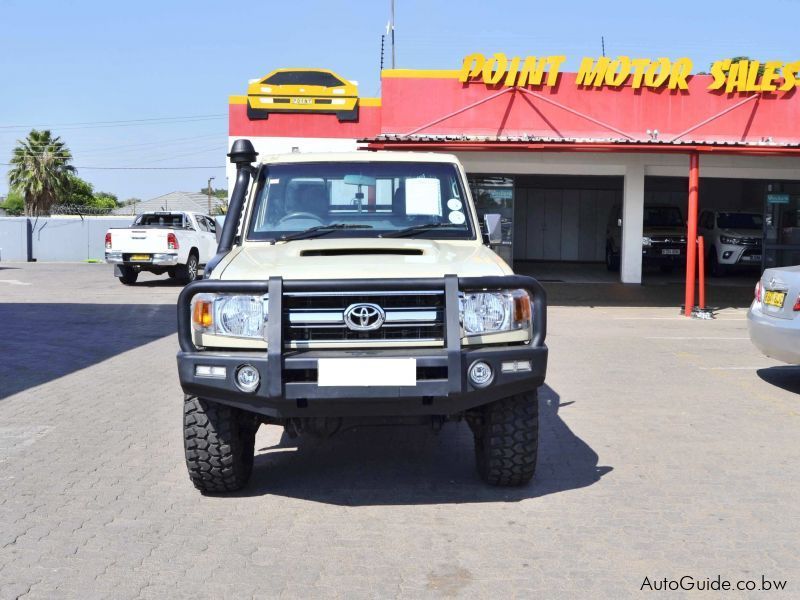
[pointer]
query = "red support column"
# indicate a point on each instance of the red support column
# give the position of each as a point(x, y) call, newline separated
point(701, 272)
point(691, 233)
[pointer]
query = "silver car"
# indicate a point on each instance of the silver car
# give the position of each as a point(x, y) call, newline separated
point(774, 316)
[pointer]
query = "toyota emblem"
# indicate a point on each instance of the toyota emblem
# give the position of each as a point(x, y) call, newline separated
point(364, 317)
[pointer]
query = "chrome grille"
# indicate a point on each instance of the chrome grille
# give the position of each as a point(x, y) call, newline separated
point(667, 239)
point(319, 317)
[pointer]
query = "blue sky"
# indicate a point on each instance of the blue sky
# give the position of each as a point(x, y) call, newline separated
point(66, 64)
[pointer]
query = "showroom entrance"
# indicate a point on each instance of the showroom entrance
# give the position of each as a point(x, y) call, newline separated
point(550, 218)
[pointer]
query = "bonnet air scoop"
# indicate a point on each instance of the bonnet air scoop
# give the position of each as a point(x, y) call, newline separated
point(361, 252)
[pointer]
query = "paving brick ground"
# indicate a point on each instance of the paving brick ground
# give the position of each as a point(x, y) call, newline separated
point(669, 447)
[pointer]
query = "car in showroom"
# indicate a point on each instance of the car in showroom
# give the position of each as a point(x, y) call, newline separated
point(358, 289)
point(773, 319)
point(663, 238)
point(302, 90)
point(733, 239)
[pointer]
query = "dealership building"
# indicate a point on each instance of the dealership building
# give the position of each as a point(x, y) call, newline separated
point(567, 156)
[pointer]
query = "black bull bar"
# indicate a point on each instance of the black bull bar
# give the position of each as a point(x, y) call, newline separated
point(451, 285)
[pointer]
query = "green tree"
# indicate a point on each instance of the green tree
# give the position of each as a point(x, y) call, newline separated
point(40, 169)
point(106, 200)
point(81, 192)
point(14, 204)
point(216, 192)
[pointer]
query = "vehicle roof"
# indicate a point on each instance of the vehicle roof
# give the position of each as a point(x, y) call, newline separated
point(299, 70)
point(172, 212)
point(357, 156)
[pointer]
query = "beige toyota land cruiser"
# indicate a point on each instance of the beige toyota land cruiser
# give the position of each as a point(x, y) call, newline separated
point(357, 289)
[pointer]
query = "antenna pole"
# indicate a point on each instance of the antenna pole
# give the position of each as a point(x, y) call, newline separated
point(603, 44)
point(392, 32)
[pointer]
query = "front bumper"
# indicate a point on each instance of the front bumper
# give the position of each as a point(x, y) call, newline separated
point(432, 395)
point(775, 337)
point(158, 259)
point(664, 254)
point(288, 378)
point(730, 255)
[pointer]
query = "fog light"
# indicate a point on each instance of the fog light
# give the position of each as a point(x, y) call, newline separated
point(247, 378)
point(516, 366)
point(209, 371)
point(727, 254)
point(480, 373)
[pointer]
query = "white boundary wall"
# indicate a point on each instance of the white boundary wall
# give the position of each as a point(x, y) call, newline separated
point(53, 239)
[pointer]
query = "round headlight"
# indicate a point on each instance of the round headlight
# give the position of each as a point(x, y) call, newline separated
point(241, 316)
point(484, 312)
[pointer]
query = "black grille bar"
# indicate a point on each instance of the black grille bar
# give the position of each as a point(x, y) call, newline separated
point(277, 288)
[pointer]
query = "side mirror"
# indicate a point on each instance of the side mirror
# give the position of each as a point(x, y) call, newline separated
point(494, 231)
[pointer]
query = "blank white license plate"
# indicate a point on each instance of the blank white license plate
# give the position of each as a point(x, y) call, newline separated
point(363, 372)
point(671, 251)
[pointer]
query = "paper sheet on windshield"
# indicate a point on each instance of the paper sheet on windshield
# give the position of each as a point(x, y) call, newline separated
point(423, 196)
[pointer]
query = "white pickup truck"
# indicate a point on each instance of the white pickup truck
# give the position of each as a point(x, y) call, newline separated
point(177, 243)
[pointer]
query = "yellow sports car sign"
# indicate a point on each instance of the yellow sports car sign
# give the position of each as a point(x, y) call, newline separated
point(302, 90)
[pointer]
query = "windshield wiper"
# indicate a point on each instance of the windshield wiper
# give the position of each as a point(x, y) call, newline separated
point(319, 230)
point(408, 231)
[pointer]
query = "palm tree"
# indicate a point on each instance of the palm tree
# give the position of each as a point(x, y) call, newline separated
point(40, 171)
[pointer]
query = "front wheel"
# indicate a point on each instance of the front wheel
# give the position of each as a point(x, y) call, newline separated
point(219, 442)
point(188, 273)
point(507, 440)
point(129, 275)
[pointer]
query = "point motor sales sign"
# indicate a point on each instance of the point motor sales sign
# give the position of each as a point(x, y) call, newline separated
point(729, 76)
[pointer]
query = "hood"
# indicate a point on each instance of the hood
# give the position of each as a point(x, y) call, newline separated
point(351, 258)
point(677, 231)
point(742, 232)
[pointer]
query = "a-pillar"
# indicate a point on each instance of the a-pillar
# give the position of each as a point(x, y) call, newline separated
point(632, 217)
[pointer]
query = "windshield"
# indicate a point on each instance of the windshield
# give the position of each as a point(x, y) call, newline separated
point(303, 78)
point(662, 216)
point(165, 220)
point(360, 199)
point(728, 220)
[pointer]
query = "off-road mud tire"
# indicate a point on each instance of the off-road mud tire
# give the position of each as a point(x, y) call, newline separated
point(506, 442)
point(219, 442)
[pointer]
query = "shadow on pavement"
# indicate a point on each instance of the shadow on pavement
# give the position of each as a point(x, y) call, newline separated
point(163, 282)
point(42, 342)
point(787, 378)
point(400, 465)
